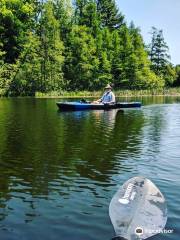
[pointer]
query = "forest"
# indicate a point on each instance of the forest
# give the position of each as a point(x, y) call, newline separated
point(64, 45)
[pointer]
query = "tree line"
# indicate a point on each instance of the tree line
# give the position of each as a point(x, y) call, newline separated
point(64, 45)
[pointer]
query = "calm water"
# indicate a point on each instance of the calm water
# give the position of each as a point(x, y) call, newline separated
point(59, 171)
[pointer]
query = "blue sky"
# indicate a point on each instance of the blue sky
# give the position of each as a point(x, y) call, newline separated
point(162, 14)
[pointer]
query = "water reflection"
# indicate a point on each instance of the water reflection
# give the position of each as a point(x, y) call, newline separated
point(61, 169)
point(42, 153)
point(98, 138)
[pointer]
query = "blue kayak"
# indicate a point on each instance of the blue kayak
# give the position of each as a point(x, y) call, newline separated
point(79, 106)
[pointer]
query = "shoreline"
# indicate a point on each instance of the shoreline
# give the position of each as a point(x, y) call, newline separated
point(170, 92)
point(91, 97)
point(117, 96)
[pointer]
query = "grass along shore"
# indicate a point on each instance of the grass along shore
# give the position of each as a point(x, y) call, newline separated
point(118, 93)
point(95, 94)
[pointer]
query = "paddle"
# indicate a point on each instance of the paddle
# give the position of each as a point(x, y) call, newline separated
point(138, 210)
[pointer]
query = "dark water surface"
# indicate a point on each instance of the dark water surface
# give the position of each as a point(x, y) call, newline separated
point(59, 171)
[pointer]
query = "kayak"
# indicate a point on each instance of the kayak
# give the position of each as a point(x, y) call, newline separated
point(79, 106)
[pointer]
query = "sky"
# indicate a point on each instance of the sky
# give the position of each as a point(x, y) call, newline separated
point(162, 14)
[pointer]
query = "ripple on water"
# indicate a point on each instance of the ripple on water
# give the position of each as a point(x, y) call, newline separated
point(59, 171)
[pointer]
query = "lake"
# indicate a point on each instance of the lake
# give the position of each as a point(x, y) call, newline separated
point(59, 170)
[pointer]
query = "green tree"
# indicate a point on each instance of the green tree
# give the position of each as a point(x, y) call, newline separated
point(160, 58)
point(63, 12)
point(81, 64)
point(15, 19)
point(105, 50)
point(87, 14)
point(123, 61)
point(143, 77)
point(27, 78)
point(109, 14)
point(169, 73)
point(177, 80)
point(130, 64)
point(7, 72)
point(40, 63)
point(51, 49)
point(158, 51)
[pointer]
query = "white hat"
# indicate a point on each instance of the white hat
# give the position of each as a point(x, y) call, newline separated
point(108, 86)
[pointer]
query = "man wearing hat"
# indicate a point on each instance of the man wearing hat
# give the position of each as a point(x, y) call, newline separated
point(108, 97)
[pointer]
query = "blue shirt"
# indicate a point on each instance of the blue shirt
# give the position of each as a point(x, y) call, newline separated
point(108, 97)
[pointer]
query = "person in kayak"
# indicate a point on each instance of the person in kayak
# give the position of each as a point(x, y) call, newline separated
point(108, 96)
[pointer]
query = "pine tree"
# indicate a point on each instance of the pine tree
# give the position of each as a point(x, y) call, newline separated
point(144, 77)
point(158, 51)
point(160, 58)
point(123, 60)
point(105, 51)
point(81, 64)
point(51, 49)
point(63, 12)
point(109, 14)
point(130, 65)
point(86, 14)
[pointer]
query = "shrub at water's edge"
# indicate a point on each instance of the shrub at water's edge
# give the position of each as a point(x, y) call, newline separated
point(118, 93)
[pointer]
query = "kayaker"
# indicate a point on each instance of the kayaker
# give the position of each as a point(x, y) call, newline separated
point(108, 96)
